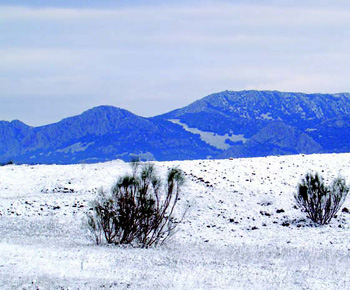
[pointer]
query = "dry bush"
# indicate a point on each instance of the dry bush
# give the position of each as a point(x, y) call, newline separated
point(139, 210)
point(319, 201)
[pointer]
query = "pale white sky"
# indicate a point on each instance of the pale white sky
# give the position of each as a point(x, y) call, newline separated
point(59, 59)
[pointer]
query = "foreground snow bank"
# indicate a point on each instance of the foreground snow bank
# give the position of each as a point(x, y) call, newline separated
point(241, 231)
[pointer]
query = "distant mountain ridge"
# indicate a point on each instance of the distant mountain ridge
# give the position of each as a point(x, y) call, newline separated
point(272, 122)
point(221, 125)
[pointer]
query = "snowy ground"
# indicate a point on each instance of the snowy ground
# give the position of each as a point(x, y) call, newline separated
point(241, 231)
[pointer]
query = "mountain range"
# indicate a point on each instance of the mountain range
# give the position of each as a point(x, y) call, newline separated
point(221, 125)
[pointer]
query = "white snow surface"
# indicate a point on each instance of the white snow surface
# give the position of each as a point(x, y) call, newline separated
point(232, 236)
point(77, 147)
point(266, 116)
point(211, 138)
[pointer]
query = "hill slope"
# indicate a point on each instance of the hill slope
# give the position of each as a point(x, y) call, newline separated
point(260, 123)
point(240, 232)
point(226, 124)
point(100, 134)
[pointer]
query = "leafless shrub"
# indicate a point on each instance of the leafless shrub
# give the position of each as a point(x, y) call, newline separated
point(319, 201)
point(139, 210)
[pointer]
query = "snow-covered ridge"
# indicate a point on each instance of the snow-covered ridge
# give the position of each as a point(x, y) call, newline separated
point(217, 126)
point(240, 232)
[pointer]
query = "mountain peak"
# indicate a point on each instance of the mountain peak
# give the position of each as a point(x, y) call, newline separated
point(253, 103)
point(19, 124)
point(99, 115)
point(225, 124)
point(107, 110)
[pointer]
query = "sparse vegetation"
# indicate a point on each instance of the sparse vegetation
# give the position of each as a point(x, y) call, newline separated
point(139, 210)
point(319, 201)
point(10, 162)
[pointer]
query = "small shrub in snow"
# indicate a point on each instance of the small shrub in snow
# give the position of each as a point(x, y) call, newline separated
point(139, 210)
point(7, 163)
point(319, 201)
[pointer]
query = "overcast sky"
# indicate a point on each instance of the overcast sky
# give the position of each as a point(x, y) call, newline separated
point(60, 58)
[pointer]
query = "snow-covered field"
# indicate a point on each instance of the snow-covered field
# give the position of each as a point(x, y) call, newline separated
point(240, 232)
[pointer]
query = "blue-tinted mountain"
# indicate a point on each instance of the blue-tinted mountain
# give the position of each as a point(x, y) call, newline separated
point(100, 134)
point(272, 122)
point(226, 124)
